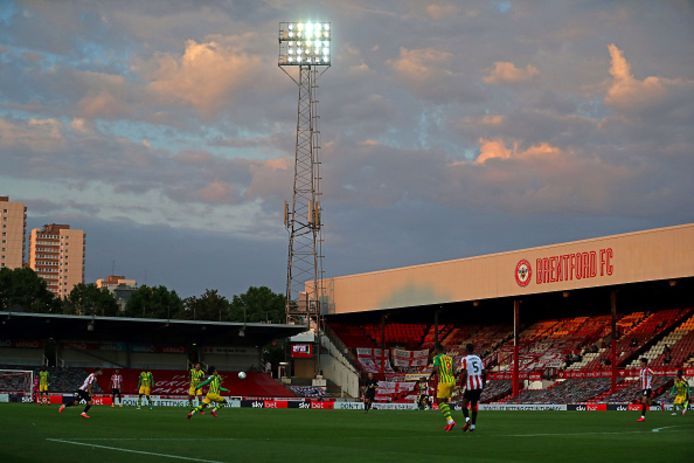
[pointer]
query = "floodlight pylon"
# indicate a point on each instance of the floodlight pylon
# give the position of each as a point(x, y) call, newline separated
point(305, 47)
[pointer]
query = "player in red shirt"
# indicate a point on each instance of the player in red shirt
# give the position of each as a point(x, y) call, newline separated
point(646, 380)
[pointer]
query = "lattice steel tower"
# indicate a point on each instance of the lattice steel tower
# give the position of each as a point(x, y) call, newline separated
point(305, 46)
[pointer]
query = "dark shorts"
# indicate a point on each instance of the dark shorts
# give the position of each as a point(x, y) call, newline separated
point(83, 395)
point(646, 393)
point(472, 395)
point(370, 396)
point(115, 392)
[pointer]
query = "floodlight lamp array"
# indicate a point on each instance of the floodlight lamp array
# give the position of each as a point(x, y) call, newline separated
point(305, 43)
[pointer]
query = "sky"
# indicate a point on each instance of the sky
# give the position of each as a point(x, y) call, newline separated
point(165, 129)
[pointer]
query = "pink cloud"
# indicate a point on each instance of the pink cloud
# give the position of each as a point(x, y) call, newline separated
point(496, 149)
point(105, 95)
point(505, 72)
point(217, 191)
point(102, 104)
point(39, 134)
point(439, 11)
point(270, 179)
point(628, 93)
point(421, 65)
point(207, 75)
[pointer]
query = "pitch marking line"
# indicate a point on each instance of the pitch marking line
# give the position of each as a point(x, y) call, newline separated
point(664, 427)
point(590, 433)
point(148, 438)
point(141, 452)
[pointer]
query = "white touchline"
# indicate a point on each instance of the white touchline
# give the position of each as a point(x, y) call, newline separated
point(664, 427)
point(572, 434)
point(89, 439)
point(591, 433)
point(141, 452)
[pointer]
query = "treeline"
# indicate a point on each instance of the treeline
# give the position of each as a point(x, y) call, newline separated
point(23, 290)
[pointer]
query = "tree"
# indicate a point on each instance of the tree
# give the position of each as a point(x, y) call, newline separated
point(258, 304)
point(90, 300)
point(23, 289)
point(154, 302)
point(208, 306)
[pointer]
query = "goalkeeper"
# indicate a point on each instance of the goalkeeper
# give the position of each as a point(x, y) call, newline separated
point(214, 383)
point(680, 389)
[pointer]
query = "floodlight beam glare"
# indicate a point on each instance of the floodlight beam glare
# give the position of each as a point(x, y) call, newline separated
point(305, 42)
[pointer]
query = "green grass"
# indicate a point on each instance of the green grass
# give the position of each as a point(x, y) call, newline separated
point(338, 436)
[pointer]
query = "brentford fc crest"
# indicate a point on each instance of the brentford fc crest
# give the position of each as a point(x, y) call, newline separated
point(523, 273)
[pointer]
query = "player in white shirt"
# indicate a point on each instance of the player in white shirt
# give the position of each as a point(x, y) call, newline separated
point(83, 393)
point(646, 380)
point(473, 377)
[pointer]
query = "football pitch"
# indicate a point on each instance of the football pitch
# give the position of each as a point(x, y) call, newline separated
point(31, 433)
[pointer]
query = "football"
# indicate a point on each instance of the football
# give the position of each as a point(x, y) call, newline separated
point(242, 375)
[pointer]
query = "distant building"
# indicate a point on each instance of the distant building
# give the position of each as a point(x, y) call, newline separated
point(121, 288)
point(13, 222)
point(56, 254)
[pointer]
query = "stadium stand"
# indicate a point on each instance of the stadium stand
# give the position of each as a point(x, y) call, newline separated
point(639, 330)
point(495, 391)
point(407, 335)
point(352, 336)
point(568, 391)
point(673, 349)
point(629, 391)
point(308, 391)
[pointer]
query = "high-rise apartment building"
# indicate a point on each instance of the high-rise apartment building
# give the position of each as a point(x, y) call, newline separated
point(13, 220)
point(56, 254)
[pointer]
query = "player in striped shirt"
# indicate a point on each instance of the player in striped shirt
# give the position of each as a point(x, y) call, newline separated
point(214, 384)
point(116, 386)
point(84, 392)
point(473, 378)
point(443, 368)
point(646, 380)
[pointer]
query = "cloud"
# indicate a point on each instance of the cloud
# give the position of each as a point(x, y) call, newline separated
point(207, 75)
point(432, 74)
point(80, 125)
point(216, 191)
point(488, 120)
point(496, 149)
point(39, 134)
point(627, 93)
point(505, 72)
point(421, 65)
point(439, 11)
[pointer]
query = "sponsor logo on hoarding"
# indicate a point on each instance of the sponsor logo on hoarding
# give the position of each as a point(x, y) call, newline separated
point(394, 406)
point(349, 406)
point(522, 407)
point(524, 273)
